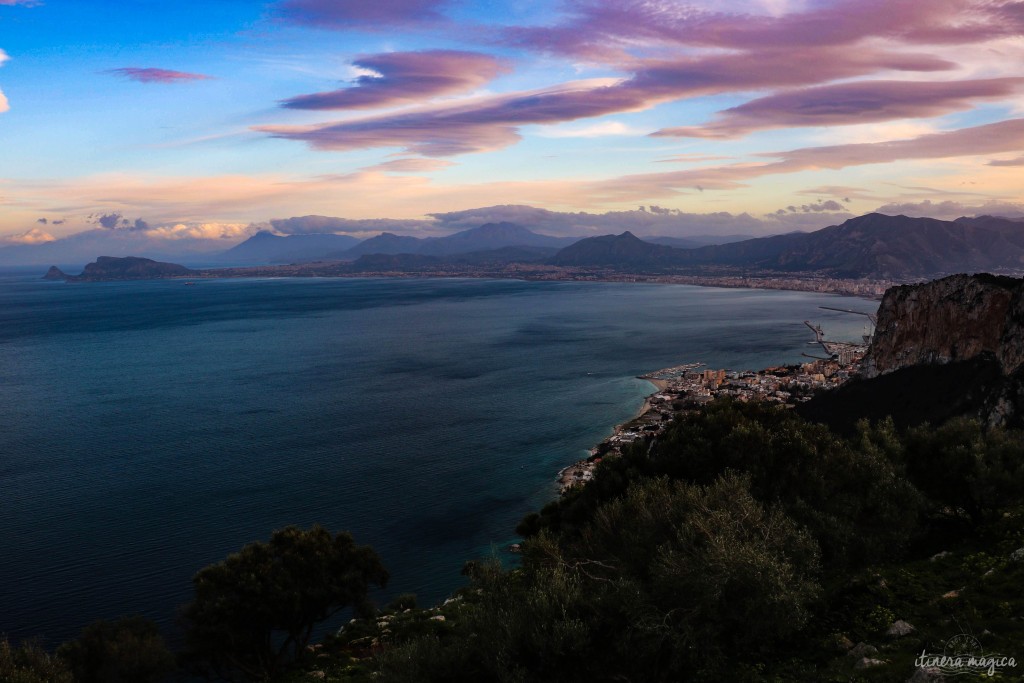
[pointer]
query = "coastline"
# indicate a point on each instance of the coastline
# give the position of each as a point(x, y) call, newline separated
point(806, 282)
point(660, 385)
point(581, 470)
point(681, 388)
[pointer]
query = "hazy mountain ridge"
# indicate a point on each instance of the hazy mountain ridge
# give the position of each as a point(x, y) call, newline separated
point(873, 245)
point(694, 241)
point(266, 247)
point(83, 247)
point(617, 250)
point(384, 243)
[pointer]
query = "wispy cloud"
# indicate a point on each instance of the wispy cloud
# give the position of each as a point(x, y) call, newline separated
point(32, 236)
point(993, 138)
point(152, 75)
point(4, 104)
point(850, 103)
point(411, 165)
point(1019, 161)
point(406, 78)
point(203, 200)
point(493, 122)
point(596, 130)
point(950, 209)
point(373, 15)
point(600, 30)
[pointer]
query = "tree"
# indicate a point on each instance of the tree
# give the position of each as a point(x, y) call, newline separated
point(29, 663)
point(254, 613)
point(129, 650)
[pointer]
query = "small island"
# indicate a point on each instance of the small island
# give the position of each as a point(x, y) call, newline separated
point(107, 268)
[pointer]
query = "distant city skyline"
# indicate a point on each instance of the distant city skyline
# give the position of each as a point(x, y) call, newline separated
point(209, 120)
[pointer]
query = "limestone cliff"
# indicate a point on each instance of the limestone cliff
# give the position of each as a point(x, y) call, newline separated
point(957, 318)
point(942, 349)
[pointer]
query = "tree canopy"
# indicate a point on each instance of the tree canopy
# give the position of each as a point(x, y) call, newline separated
point(254, 612)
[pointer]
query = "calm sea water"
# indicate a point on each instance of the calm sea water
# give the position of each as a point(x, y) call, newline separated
point(148, 429)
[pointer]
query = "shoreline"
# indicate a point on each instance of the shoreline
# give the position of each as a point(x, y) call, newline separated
point(581, 470)
point(661, 386)
point(682, 388)
point(814, 283)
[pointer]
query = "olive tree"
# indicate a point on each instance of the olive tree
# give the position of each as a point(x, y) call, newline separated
point(253, 613)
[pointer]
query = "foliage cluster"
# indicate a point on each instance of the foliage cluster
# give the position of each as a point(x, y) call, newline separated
point(724, 549)
point(744, 544)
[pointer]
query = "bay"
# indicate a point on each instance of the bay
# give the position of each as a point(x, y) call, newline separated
point(148, 429)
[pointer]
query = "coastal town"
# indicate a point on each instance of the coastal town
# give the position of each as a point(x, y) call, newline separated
point(687, 387)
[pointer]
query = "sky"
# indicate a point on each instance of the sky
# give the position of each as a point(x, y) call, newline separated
point(210, 119)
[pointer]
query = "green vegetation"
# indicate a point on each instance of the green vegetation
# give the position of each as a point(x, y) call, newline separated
point(29, 663)
point(743, 544)
point(254, 613)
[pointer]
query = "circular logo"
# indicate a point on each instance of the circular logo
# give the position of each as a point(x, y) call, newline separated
point(962, 645)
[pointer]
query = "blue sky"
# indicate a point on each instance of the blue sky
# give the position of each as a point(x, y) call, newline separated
point(209, 119)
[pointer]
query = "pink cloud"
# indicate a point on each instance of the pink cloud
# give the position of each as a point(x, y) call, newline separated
point(151, 75)
point(993, 138)
point(484, 125)
point(950, 210)
point(1019, 161)
point(406, 78)
point(602, 30)
point(363, 14)
point(32, 236)
point(849, 103)
point(669, 51)
point(492, 123)
point(244, 198)
point(412, 165)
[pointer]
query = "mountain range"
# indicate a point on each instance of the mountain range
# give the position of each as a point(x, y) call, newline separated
point(487, 237)
point(873, 245)
point(266, 247)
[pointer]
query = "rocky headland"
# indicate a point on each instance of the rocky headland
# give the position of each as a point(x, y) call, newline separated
point(106, 268)
point(941, 349)
point(957, 318)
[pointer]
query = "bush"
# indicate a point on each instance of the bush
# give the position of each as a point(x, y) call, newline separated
point(967, 468)
point(254, 613)
point(129, 650)
point(29, 663)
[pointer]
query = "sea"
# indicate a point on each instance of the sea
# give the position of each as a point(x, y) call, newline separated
point(148, 429)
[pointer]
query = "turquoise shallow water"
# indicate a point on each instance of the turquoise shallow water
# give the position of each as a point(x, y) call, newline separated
point(150, 428)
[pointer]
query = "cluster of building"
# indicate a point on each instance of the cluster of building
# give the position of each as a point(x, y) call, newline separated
point(685, 387)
